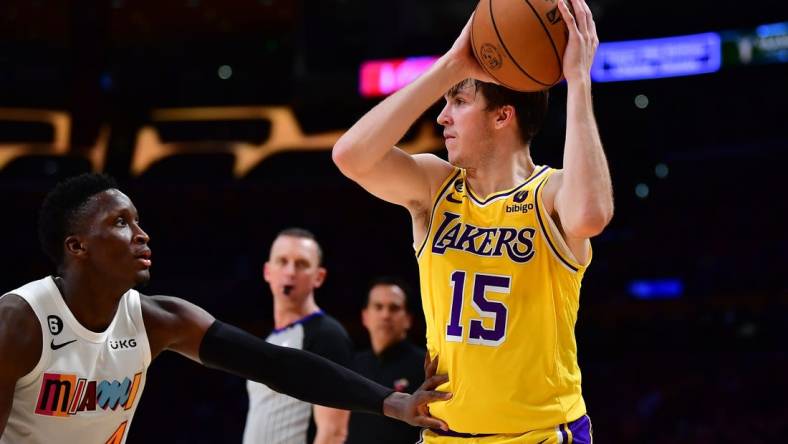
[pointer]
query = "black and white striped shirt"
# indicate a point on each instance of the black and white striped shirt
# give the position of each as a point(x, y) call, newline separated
point(274, 418)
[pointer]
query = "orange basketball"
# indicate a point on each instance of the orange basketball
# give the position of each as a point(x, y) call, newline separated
point(520, 42)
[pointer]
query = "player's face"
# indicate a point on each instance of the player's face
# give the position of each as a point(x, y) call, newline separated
point(467, 126)
point(293, 270)
point(112, 243)
point(385, 315)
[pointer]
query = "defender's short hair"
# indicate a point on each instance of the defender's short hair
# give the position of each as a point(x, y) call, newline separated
point(57, 216)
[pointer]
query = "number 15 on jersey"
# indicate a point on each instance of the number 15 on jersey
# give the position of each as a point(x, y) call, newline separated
point(481, 285)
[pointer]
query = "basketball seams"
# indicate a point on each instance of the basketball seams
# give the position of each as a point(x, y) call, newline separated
point(478, 57)
point(549, 37)
point(503, 45)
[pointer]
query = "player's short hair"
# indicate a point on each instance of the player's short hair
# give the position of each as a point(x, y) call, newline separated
point(303, 233)
point(390, 280)
point(59, 212)
point(530, 107)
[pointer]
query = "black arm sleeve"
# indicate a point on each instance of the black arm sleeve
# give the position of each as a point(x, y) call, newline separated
point(295, 373)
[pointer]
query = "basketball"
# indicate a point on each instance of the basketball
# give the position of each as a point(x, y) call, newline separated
point(520, 43)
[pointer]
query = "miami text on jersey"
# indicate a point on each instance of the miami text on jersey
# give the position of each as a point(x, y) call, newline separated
point(63, 395)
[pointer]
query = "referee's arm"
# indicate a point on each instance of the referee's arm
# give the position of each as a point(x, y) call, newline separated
point(331, 425)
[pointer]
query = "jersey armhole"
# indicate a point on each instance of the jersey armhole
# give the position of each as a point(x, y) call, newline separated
point(139, 322)
point(553, 236)
point(437, 198)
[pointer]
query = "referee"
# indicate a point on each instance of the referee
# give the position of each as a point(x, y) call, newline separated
point(293, 272)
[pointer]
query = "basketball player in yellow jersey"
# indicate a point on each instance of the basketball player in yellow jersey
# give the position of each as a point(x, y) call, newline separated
point(502, 244)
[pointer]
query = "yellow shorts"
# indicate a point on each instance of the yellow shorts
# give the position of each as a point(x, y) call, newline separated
point(575, 432)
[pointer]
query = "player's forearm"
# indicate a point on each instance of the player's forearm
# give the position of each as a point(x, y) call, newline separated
point(368, 141)
point(586, 194)
point(302, 375)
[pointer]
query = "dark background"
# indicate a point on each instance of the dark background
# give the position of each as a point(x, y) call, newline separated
point(707, 367)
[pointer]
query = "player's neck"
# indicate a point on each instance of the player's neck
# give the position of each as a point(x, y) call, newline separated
point(500, 172)
point(93, 304)
point(287, 312)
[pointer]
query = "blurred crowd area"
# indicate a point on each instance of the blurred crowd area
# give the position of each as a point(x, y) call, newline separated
point(697, 167)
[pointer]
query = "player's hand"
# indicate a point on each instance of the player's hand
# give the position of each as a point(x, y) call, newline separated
point(414, 409)
point(461, 53)
point(583, 40)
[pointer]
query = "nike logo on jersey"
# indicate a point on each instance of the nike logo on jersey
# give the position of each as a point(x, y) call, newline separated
point(59, 346)
point(450, 197)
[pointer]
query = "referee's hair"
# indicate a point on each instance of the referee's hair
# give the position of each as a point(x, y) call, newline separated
point(390, 280)
point(302, 233)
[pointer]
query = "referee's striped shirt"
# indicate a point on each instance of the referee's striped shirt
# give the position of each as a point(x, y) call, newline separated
point(274, 418)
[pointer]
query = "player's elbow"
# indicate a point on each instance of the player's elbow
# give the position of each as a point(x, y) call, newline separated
point(588, 222)
point(343, 155)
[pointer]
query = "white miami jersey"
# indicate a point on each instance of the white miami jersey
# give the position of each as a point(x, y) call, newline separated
point(86, 385)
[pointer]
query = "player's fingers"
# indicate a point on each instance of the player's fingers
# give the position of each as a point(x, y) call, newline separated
point(427, 397)
point(430, 423)
point(432, 368)
point(469, 22)
point(427, 362)
point(434, 381)
point(580, 15)
point(590, 26)
point(571, 23)
point(592, 29)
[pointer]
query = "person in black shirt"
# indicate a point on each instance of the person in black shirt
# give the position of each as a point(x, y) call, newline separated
point(393, 362)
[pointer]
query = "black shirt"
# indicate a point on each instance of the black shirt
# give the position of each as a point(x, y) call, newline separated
point(400, 367)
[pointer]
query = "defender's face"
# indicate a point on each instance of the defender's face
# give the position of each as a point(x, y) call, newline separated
point(466, 126)
point(385, 315)
point(113, 243)
point(293, 269)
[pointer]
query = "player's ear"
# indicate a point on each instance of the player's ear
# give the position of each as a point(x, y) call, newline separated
point(73, 246)
point(504, 116)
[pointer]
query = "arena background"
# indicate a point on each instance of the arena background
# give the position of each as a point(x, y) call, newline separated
point(683, 317)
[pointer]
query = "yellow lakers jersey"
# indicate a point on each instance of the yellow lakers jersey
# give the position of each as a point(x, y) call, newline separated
point(500, 292)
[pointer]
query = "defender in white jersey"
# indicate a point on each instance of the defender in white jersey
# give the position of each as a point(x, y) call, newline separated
point(67, 394)
point(75, 347)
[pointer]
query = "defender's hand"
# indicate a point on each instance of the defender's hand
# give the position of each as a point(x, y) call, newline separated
point(414, 408)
